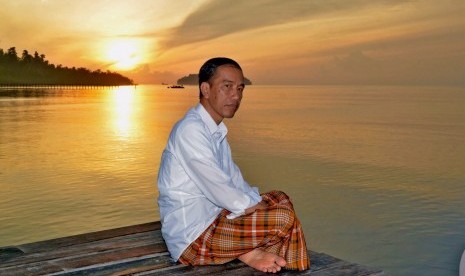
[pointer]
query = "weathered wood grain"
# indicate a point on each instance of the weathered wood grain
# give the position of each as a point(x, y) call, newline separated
point(88, 237)
point(136, 250)
point(124, 242)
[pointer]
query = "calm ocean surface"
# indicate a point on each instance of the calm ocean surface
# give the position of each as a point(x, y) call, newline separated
point(377, 174)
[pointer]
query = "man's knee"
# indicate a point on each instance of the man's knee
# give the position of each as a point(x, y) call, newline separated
point(277, 198)
point(284, 219)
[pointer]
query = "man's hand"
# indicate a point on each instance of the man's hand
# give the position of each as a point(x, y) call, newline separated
point(262, 205)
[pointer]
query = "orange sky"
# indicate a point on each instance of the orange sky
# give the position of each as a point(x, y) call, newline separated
point(275, 41)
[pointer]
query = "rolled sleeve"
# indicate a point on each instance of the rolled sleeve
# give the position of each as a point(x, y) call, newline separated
point(253, 201)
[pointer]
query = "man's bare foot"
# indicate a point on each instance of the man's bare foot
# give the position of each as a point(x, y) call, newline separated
point(263, 261)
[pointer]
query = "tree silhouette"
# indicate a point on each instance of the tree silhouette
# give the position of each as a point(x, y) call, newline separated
point(36, 70)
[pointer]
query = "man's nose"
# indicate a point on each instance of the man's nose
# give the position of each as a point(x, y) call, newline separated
point(236, 94)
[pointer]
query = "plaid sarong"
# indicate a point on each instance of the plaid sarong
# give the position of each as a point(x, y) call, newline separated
point(276, 230)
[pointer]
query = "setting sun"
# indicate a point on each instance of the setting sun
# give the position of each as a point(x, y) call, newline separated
point(123, 54)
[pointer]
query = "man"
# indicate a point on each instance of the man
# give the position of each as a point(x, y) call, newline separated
point(209, 213)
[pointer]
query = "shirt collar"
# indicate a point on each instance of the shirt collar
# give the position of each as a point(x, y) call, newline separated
point(208, 120)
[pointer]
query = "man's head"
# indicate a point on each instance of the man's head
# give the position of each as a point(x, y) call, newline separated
point(208, 69)
point(221, 83)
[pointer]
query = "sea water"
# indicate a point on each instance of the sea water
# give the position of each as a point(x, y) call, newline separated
point(376, 173)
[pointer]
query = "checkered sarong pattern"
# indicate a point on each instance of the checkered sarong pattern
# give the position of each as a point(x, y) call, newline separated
point(276, 230)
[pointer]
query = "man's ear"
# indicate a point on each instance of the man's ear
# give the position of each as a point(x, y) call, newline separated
point(205, 89)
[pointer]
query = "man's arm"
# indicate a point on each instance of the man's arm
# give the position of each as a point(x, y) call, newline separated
point(195, 153)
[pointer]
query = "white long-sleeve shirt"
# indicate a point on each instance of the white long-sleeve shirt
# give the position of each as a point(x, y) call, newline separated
point(197, 179)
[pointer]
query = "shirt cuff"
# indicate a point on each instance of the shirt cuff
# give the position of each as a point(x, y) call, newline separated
point(254, 200)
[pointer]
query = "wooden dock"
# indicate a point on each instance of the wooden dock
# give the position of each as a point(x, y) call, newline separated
point(4, 86)
point(136, 250)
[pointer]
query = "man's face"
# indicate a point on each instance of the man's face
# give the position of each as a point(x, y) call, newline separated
point(222, 95)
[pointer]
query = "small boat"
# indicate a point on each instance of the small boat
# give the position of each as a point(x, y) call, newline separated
point(176, 86)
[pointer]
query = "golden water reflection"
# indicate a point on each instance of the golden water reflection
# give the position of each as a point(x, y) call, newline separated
point(123, 107)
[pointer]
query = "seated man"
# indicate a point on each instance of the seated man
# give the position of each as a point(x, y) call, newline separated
point(209, 213)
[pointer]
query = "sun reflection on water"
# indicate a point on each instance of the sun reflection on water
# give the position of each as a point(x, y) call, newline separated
point(123, 106)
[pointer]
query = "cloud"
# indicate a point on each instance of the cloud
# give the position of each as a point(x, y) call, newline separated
point(223, 17)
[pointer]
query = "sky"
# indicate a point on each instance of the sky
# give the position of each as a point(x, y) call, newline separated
point(360, 42)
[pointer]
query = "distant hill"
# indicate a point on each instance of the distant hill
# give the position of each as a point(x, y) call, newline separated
point(34, 69)
point(193, 79)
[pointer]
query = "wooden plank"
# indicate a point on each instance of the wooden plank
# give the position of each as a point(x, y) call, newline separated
point(88, 237)
point(345, 268)
point(10, 252)
point(30, 269)
point(110, 256)
point(124, 242)
point(164, 271)
point(124, 267)
point(77, 262)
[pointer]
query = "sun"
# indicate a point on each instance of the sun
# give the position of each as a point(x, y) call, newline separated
point(123, 54)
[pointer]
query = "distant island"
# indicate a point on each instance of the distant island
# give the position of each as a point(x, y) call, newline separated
point(36, 70)
point(193, 79)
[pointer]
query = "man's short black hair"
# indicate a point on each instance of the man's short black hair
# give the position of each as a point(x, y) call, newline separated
point(208, 69)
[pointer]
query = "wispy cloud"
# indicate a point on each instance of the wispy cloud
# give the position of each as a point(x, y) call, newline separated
point(223, 17)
